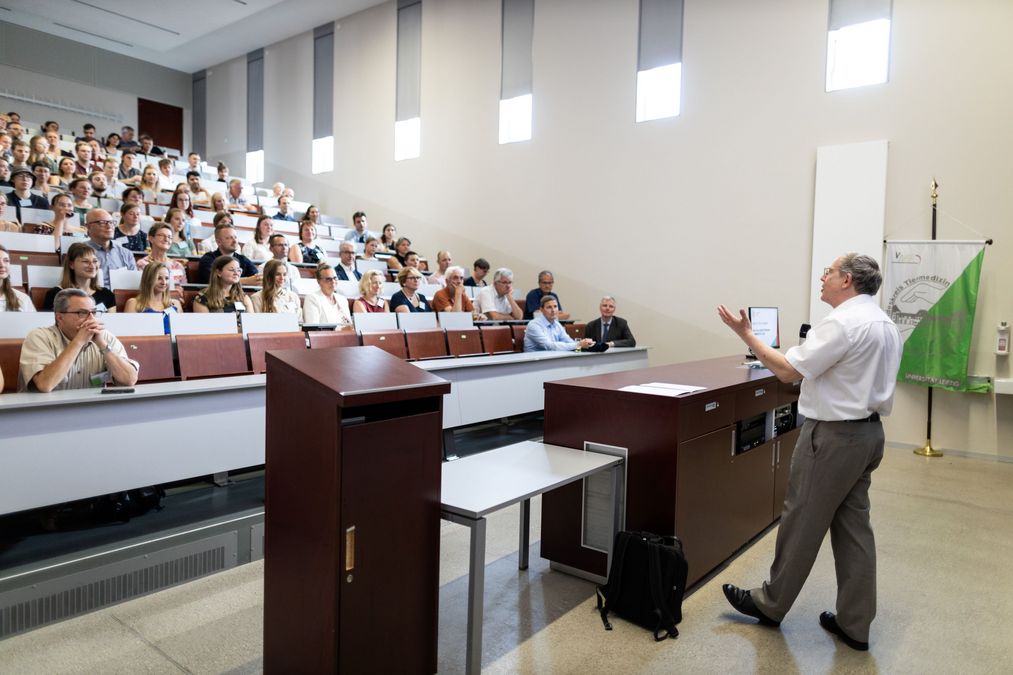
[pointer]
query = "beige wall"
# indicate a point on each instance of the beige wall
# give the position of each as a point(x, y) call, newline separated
point(673, 216)
point(75, 75)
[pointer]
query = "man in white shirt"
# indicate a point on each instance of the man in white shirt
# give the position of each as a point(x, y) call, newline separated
point(848, 366)
point(497, 301)
point(443, 262)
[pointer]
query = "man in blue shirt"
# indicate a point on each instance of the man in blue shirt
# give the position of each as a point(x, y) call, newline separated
point(545, 334)
point(534, 298)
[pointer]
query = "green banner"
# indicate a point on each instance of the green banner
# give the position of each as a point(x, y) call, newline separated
point(933, 294)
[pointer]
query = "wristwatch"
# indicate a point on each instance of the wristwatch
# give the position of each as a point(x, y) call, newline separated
point(105, 350)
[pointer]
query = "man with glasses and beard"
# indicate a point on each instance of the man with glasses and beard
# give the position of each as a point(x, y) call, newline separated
point(76, 352)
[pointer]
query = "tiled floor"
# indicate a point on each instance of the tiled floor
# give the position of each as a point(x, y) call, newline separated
point(945, 539)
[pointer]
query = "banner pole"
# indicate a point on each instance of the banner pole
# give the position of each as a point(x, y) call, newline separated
point(927, 450)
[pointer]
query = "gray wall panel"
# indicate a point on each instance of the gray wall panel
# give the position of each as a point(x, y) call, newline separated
point(518, 29)
point(409, 61)
point(660, 33)
point(323, 81)
point(255, 101)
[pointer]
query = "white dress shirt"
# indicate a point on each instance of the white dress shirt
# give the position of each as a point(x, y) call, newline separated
point(849, 361)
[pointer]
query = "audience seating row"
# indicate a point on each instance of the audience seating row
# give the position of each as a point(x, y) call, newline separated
point(218, 355)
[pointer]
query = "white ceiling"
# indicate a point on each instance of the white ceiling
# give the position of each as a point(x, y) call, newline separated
point(186, 35)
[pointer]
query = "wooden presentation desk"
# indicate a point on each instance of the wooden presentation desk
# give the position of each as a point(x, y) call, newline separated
point(683, 475)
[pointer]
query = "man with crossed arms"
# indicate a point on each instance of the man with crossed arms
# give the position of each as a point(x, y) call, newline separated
point(848, 366)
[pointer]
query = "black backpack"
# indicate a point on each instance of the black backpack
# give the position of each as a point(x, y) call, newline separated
point(646, 583)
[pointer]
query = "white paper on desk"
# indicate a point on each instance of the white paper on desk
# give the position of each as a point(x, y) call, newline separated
point(669, 390)
point(681, 388)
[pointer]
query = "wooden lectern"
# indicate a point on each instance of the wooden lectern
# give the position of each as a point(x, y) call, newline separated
point(352, 543)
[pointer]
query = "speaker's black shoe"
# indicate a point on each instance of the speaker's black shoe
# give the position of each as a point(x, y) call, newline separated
point(829, 623)
point(743, 603)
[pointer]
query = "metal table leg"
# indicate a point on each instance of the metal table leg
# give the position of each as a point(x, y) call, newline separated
point(476, 597)
point(525, 535)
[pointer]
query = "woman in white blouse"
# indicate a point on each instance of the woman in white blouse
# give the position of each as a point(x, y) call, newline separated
point(257, 248)
point(273, 297)
point(11, 299)
point(325, 305)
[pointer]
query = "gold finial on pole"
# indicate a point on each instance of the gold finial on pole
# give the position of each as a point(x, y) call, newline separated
point(934, 194)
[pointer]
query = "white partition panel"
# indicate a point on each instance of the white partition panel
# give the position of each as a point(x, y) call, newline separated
point(44, 276)
point(412, 321)
point(372, 322)
point(274, 322)
point(124, 279)
point(135, 324)
point(14, 272)
point(203, 324)
point(429, 290)
point(349, 289)
point(390, 288)
point(36, 216)
point(849, 209)
point(304, 286)
point(243, 220)
point(455, 320)
point(29, 243)
point(18, 324)
point(362, 266)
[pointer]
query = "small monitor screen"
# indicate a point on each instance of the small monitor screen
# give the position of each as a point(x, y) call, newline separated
point(765, 325)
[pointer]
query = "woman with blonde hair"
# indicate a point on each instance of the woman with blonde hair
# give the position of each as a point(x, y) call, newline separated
point(11, 299)
point(153, 296)
point(81, 270)
point(369, 300)
point(38, 150)
point(273, 297)
point(219, 203)
point(225, 292)
point(257, 248)
point(150, 184)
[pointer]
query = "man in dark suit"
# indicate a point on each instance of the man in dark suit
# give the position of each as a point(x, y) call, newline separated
point(610, 328)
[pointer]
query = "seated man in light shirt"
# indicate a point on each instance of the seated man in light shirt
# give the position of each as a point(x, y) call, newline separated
point(111, 254)
point(278, 245)
point(496, 302)
point(545, 334)
point(74, 353)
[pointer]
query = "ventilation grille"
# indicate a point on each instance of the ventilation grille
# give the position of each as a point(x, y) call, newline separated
point(42, 603)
